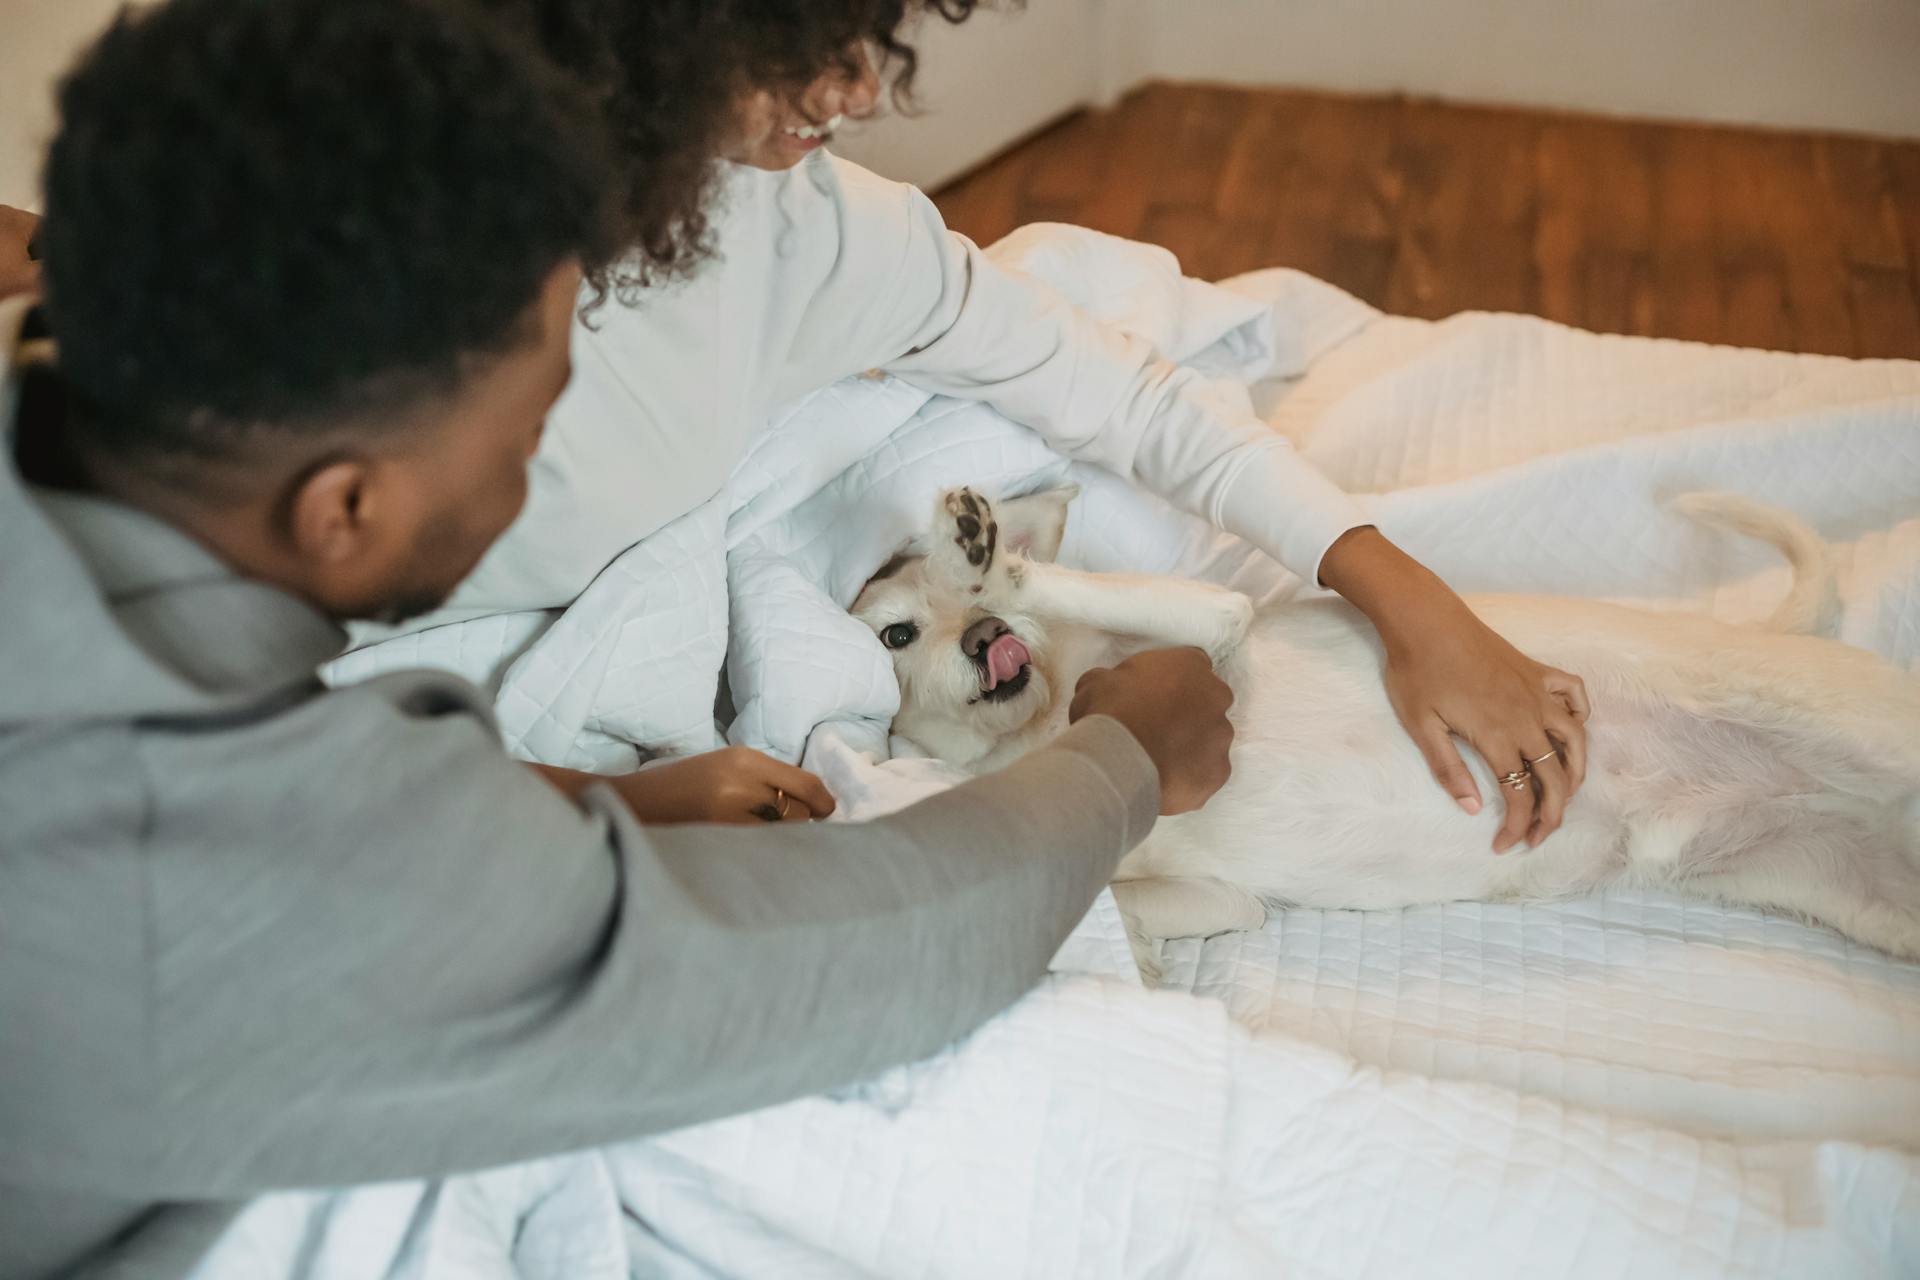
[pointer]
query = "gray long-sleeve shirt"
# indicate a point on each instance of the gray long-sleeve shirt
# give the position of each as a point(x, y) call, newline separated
point(257, 934)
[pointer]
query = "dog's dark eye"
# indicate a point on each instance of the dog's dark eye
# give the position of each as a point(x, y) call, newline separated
point(899, 635)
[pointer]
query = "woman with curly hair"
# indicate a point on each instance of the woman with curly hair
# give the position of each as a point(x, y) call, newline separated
point(689, 85)
point(821, 269)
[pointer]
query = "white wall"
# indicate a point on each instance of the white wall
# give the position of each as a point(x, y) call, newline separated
point(1844, 65)
point(983, 85)
point(37, 40)
point(1849, 65)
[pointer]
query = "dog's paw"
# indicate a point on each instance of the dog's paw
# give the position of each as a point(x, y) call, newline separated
point(1221, 619)
point(1236, 619)
point(971, 531)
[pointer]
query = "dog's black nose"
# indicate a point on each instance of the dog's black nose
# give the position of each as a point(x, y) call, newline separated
point(981, 634)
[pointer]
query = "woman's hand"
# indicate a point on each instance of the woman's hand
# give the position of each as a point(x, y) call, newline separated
point(735, 784)
point(1449, 675)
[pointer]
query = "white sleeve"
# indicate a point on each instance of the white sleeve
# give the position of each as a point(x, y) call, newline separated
point(963, 326)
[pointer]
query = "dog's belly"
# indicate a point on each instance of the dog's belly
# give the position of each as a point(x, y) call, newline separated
point(1332, 805)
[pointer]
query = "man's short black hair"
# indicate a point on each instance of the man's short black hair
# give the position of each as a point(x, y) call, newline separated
point(291, 212)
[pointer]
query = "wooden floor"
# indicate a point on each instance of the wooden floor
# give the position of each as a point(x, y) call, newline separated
point(1801, 242)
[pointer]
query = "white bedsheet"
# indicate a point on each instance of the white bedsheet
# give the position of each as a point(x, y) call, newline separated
point(1625, 1085)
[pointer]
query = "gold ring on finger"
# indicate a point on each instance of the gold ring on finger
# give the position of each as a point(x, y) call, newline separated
point(1537, 759)
point(781, 796)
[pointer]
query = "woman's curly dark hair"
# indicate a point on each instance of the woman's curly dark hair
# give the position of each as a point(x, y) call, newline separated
point(297, 212)
point(669, 74)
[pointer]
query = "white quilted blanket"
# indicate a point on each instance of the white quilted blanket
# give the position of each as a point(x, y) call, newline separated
point(1625, 1085)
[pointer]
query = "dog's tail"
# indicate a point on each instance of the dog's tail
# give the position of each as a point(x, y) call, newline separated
point(1813, 602)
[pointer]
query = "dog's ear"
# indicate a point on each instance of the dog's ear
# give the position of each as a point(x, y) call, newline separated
point(1034, 525)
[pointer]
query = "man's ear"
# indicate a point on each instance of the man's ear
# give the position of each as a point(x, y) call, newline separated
point(1035, 524)
point(332, 512)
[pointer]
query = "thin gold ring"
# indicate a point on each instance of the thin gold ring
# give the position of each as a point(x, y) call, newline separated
point(1537, 759)
point(781, 796)
point(1515, 781)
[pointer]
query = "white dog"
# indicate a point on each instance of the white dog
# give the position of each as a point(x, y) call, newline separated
point(1748, 766)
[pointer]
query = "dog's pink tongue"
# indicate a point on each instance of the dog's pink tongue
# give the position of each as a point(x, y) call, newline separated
point(1005, 657)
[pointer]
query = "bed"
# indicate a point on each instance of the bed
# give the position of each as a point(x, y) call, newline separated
point(1626, 1084)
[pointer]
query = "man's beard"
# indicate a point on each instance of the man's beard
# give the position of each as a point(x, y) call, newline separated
point(410, 606)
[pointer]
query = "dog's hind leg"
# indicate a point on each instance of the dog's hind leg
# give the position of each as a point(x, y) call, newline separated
point(1857, 877)
point(1157, 907)
point(1188, 906)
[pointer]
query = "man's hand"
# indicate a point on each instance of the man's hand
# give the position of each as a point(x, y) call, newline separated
point(1448, 674)
point(1174, 705)
point(18, 272)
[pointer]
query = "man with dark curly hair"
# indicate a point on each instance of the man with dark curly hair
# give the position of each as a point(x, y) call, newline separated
point(313, 266)
point(820, 269)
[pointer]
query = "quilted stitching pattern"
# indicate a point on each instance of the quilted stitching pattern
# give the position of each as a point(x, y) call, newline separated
point(1102, 1131)
point(1516, 455)
point(1711, 1020)
point(480, 650)
point(634, 660)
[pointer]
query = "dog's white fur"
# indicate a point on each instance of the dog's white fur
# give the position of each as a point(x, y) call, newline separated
point(1743, 765)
